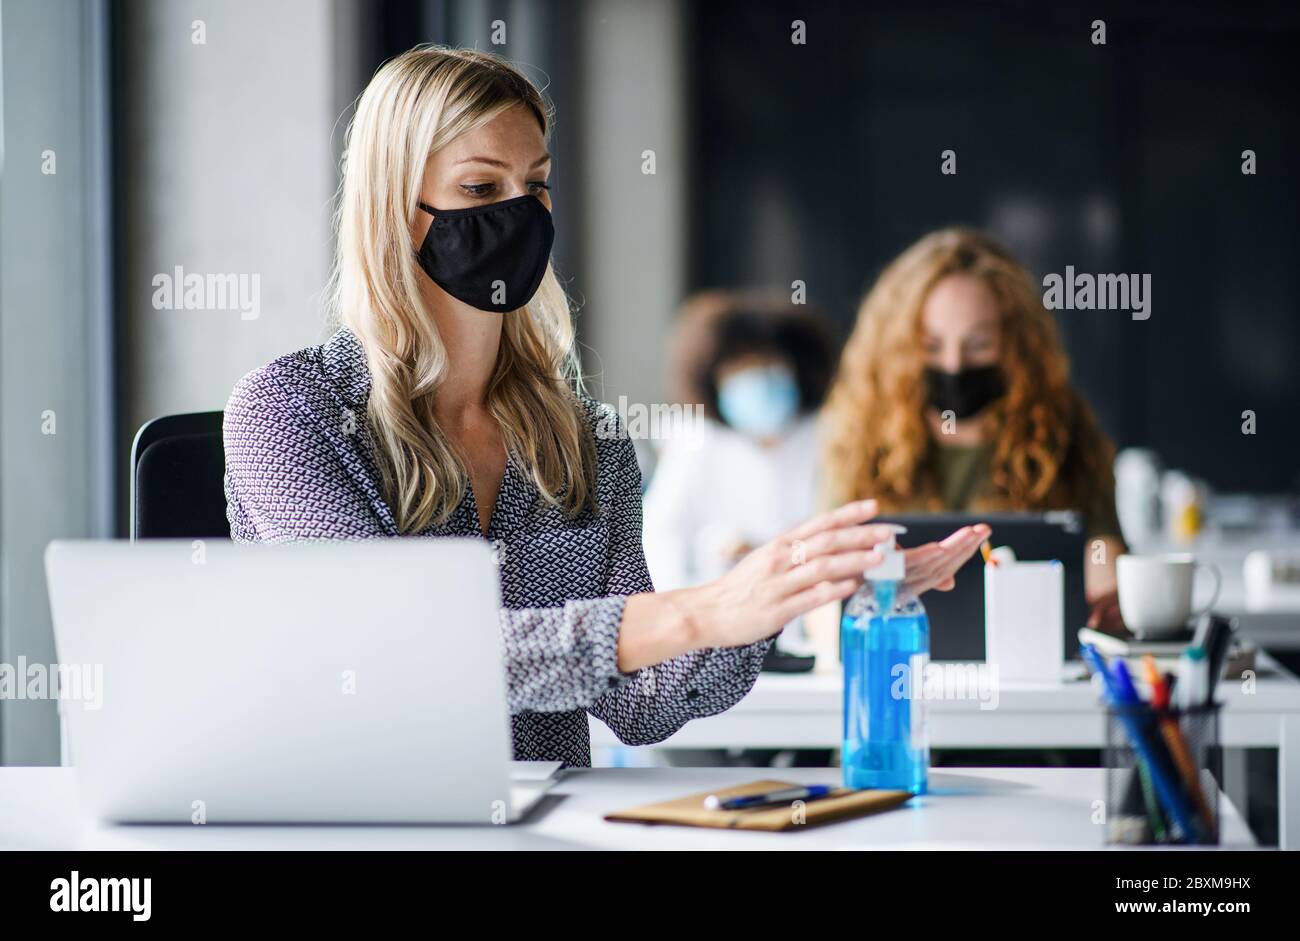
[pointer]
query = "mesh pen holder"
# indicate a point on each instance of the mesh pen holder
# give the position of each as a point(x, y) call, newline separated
point(1163, 772)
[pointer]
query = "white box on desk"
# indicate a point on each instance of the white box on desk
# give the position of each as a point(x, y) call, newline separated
point(1024, 620)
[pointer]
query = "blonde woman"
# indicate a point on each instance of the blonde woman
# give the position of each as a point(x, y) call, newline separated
point(448, 404)
point(953, 393)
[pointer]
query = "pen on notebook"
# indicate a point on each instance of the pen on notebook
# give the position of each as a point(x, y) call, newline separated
point(783, 796)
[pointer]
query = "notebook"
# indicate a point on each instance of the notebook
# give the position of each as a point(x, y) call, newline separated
point(1240, 656)
point(690, 811)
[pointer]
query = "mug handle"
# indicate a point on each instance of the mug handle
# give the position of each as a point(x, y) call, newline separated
point(1218, 585)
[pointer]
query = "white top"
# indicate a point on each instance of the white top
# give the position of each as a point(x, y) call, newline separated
point(716, 487)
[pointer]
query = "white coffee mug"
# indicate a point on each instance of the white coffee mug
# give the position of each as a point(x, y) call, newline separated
point(1155, 593)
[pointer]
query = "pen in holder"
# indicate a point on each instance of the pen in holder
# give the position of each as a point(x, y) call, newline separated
point(1163, 770)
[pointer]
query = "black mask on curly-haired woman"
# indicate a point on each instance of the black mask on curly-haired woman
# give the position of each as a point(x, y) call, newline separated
point(966, 392)
point(491, 257)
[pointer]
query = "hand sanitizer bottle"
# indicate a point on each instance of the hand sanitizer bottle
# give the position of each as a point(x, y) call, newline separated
point(885, 639)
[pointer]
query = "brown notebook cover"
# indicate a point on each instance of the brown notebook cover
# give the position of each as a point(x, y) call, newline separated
point(691, 812)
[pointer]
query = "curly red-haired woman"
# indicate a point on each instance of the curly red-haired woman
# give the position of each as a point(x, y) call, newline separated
point(953, 393)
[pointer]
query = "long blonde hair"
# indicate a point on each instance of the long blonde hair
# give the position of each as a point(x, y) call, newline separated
point(416, 104)
point(1049, 452)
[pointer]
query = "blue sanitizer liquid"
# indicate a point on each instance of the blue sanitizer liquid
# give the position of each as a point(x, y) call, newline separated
point(885, 639)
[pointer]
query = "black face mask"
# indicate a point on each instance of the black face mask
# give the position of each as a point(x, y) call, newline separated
point(491, 257)
point(963, 393)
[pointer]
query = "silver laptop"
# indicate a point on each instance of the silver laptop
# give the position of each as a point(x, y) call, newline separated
point(330, 682)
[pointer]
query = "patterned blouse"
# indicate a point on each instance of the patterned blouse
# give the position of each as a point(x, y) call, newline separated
point(300, 465)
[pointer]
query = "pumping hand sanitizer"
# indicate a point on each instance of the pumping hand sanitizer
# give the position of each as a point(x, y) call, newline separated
point(885, 639)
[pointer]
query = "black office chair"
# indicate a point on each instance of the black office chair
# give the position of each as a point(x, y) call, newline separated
point(178, 464)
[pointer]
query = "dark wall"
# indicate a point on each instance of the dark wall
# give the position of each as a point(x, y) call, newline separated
point(821, 162)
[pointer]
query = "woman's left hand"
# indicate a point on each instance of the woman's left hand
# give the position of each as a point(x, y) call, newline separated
point(935, 564)
point(1103, 614)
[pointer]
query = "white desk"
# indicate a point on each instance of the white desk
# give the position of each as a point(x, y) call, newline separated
point(1012, 808)
point(804, 711)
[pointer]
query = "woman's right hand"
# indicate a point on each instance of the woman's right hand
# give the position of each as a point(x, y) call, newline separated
point(816, 563)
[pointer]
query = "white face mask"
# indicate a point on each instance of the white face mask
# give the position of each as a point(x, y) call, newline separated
point(760, 401)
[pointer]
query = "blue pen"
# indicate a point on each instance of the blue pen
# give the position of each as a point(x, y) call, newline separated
point(1124, 684)
point(784, 796)
point(1121, 692)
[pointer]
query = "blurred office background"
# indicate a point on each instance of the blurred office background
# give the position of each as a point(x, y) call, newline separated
point(130, 149)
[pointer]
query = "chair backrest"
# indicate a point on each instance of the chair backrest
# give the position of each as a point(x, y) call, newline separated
point(178, 464)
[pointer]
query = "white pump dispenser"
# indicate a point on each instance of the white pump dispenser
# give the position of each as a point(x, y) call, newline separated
point(892, 567)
